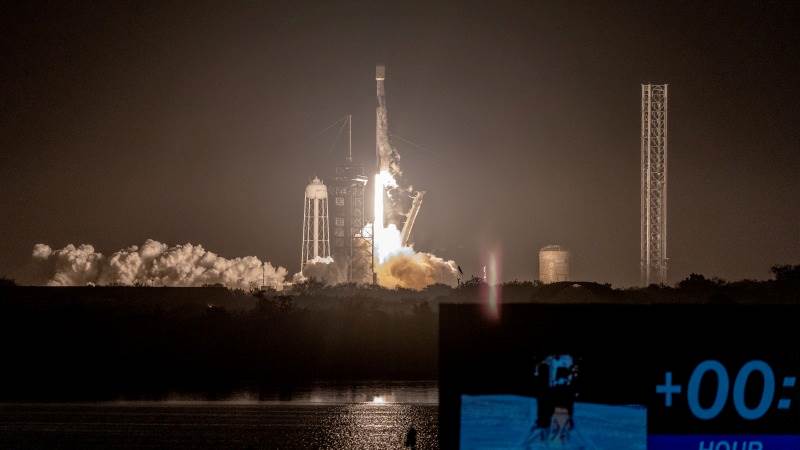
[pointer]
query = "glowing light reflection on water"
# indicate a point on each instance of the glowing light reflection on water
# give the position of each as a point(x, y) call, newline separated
point(324, 415)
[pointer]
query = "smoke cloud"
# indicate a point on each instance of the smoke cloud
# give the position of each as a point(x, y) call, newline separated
point(324, 270)
point(70, 266)
point(153, 264)
point(404, 268)
point(157, 264)
point(416, 270)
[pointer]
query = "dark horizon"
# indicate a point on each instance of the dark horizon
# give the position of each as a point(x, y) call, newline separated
point(127, 122)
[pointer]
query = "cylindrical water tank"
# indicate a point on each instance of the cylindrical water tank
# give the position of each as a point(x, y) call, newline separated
point(553, 264)
point(316, 190)
point(316, 235)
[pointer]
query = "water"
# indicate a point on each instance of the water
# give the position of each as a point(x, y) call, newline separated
point(364, 416)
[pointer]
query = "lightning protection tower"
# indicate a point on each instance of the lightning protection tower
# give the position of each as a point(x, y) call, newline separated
point(349, 238)
point(316, 240)
point(654, 184)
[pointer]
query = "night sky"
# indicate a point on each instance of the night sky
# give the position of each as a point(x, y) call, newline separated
point(202, 124)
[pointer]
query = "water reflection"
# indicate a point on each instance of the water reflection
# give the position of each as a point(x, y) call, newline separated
point(372, 415)
point(380, 426)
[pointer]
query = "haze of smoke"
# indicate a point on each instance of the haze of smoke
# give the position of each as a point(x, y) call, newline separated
point(402, 269)
point(416, 270)
point(324, 270)
point(154, 264)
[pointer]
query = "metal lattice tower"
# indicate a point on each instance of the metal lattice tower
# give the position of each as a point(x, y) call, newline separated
point(654, 184)
point(350, 240)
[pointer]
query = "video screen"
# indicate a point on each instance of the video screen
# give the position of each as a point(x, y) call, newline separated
point(619, 377)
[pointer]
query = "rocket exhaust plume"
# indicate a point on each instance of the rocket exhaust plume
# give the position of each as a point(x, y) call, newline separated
point(398, 265)
point(153, 264)
point(387, 238)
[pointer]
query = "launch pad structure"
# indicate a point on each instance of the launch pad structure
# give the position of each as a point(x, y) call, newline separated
point(349, 215)
point(654, 185)
point(351, 239)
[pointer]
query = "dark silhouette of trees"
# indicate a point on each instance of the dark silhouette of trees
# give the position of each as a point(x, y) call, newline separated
point(697, 282)
point(85, 343)
point(786, 273)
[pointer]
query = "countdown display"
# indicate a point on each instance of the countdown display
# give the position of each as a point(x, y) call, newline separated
point(659, 377)
point(727, 381)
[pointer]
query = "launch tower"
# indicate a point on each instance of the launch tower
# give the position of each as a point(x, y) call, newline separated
point(654, 184)
point(349, 215)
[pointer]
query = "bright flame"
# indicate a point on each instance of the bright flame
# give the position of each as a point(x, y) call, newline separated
point(378, 208)
point(378, 400)
point(396, 265)
point(388, 240)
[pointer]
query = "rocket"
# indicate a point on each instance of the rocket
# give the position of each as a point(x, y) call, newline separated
point(386, 155)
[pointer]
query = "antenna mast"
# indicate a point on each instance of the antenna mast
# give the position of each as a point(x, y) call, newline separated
point(349, 138)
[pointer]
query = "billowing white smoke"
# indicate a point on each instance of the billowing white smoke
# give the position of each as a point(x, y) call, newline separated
point(70, 266)
point(399, 265)
point(154, 264)
point(324, 270)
